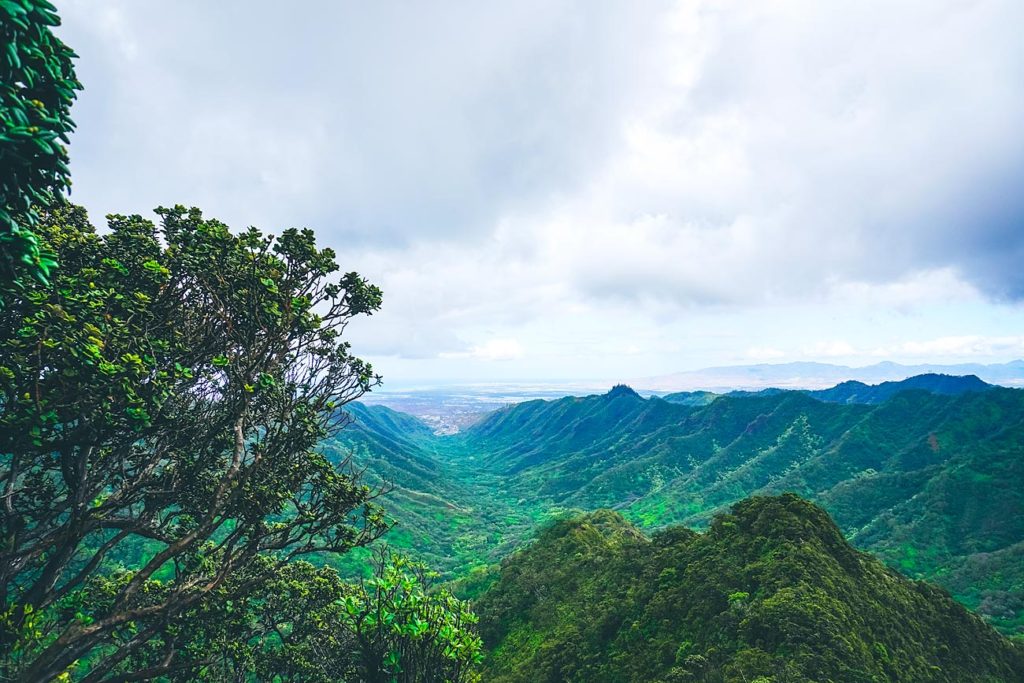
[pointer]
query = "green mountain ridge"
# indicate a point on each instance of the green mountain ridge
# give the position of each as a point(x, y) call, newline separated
point(852, 391)
point(933, 484)
point(447, 512)
point(771, 592)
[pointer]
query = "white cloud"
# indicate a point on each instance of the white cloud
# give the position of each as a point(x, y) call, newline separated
point(491, 350)
point(939, 285)
point(937, 349)
point(542, 175)
point(965, 346)
point(764, 353)
point(837, 348)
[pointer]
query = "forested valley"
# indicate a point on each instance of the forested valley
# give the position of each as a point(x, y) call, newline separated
point(928, 481)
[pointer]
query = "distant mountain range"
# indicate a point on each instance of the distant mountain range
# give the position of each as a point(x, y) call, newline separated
point(819, 375)
point(853, 391)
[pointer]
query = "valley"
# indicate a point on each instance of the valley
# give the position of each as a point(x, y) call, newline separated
point(928, 477)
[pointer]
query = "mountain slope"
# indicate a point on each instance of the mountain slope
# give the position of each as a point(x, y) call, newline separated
point(927, 481)
point(427, 501)
point(392, 446)
point(445, 510)
point(858, 392)
point(852, 391)
point(771, 592)
point(933, 484)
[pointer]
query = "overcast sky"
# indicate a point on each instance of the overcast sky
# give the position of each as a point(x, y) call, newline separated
point(592, 190)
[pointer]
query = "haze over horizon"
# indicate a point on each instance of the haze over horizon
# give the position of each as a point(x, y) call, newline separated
point(626, 191)
point(786, 375)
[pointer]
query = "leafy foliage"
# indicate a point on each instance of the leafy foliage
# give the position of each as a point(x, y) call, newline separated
point(771, 592)
point(304, 623)
point(406, 634)
point(161, 404)
point(37, 88)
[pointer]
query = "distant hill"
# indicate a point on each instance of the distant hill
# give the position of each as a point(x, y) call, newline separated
point(853, 391)
point(695, 398)
point(819, 375)
point(858, 392)
point(772, 592)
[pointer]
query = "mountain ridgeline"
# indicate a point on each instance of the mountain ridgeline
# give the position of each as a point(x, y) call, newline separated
point(772, 592)
point(856, 392)
point(930, 480)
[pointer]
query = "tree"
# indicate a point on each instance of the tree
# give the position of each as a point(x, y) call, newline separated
point(37, 88)
point(408, 634)
point(305, 624)
point(161, 403)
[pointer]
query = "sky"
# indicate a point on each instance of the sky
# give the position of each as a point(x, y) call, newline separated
point(568, 190)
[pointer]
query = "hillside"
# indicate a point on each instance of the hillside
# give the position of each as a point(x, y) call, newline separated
point(445, 511)
point(852, 391)
point(772, 592)
point(873, 394)
point(932, 484)
point(929, 482)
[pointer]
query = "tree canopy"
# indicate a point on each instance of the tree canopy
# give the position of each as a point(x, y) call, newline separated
point(161, 404)
point(37, 88)
point(770, 593)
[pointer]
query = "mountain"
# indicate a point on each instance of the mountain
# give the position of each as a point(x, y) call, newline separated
point(772, 592)
point(693, 398)
point(858, 392)
point(819, 375)
point(852, 391)
point(392, 446)
point(398, 453)
point(932, 484)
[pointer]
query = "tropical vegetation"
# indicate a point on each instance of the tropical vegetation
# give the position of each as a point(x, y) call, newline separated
point(771, 592)
point(189, 490)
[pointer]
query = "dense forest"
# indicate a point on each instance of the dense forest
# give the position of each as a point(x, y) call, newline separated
point(930, 482)
point(191, 491)
point(771, 592)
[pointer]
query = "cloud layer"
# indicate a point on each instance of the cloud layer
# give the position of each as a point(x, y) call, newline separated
point(518, 175)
